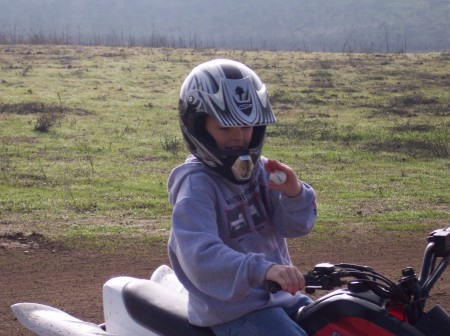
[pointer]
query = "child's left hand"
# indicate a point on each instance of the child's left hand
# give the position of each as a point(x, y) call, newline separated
point(291, 187)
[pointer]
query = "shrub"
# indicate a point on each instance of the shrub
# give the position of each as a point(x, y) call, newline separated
point(171, 145)
point(48, 119)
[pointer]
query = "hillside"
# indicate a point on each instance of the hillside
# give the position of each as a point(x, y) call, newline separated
point(323, 25)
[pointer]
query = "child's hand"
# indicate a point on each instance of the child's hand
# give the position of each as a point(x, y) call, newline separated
point(291, 186)
point(289, 278)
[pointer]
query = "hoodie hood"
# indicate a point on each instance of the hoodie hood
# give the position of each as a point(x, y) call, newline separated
point(191, 166)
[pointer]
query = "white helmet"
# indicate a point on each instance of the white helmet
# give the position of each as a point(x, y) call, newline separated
point(234, 96)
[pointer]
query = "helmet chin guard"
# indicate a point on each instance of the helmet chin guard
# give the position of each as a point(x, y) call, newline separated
point(243, 168)
point(234, 96)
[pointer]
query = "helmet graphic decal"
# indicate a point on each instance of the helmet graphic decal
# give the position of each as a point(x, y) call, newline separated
point(241, 99)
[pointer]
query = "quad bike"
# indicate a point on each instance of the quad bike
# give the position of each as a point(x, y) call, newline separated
point(370, 304)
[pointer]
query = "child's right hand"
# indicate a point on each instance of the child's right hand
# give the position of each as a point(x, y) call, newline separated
point(289, 278)
point(291, 187)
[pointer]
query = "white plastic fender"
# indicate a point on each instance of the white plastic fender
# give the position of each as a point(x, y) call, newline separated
point(48, 321)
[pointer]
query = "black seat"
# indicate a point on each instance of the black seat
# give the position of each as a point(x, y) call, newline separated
point(160, 309)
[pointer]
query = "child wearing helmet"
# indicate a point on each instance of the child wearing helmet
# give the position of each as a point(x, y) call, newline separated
point(229, 221)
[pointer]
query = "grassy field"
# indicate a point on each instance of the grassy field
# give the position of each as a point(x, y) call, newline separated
point(88, 136)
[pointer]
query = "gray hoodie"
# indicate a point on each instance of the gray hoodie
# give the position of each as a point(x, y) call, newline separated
point(226, 236)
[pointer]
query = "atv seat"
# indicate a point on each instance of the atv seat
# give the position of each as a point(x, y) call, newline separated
point(160, 309)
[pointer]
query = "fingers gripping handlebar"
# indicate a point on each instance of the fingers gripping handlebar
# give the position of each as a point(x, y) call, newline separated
point(323, 276)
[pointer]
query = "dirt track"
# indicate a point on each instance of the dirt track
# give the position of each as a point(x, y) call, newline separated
point(33, 270)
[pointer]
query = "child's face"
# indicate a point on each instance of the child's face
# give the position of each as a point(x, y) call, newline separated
point(229, 138)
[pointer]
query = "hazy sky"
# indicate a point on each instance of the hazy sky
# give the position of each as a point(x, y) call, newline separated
point(272, 24)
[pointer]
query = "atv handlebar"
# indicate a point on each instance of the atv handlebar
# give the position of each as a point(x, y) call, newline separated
point(326, 276)
point(411, 291)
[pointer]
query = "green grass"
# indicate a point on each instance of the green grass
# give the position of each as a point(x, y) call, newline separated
point(369, 132)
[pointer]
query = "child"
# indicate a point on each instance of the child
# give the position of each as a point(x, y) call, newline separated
point(229, 220)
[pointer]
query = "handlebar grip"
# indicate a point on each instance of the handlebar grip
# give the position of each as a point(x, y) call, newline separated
point(272, 287)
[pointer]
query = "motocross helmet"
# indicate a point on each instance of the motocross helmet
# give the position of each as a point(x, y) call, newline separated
point(234, 96)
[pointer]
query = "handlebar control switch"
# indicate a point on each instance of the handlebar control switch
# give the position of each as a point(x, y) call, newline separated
point(323, 276)
point(409, 282)
point(357, 286)
point(324, 268)
point(441, 240)
point(408, 272)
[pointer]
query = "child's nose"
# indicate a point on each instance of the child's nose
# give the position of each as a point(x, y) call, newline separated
point(238, 133)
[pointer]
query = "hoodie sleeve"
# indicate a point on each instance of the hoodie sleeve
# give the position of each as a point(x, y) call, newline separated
point(295, 216)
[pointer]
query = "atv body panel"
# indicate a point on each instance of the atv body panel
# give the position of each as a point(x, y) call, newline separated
point(345, 313)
